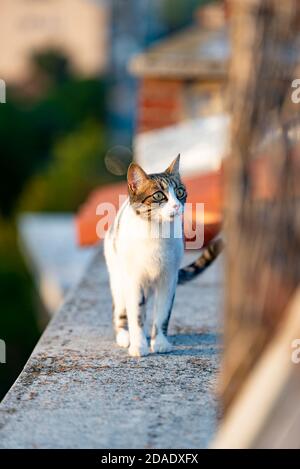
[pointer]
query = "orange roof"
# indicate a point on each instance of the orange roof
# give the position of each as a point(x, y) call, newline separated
point(204, 188)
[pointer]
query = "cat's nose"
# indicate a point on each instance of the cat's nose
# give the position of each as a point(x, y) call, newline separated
point(176, 206)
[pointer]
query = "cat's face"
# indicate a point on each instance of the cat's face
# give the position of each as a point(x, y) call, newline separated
point(159, 196)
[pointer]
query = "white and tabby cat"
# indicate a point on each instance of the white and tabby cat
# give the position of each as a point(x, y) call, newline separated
point(143, 251)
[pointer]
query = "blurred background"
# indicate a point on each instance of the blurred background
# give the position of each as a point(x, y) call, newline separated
point(83, 87)
point(91, 85)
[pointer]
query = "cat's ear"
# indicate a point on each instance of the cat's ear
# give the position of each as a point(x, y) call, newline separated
point(136, 176)
point(174, 166)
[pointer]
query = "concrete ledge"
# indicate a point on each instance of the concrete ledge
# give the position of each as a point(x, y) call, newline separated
point(79, 390)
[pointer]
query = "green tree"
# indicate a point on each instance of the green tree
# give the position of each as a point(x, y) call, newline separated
point(75, 168)
point(179, 13)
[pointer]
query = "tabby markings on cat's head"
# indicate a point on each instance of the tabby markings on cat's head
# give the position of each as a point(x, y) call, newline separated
point(158, 196)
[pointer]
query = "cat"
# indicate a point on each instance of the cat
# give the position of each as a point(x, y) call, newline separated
point(143, 250)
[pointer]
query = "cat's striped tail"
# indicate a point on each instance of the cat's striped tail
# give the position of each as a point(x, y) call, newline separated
point(209, 254)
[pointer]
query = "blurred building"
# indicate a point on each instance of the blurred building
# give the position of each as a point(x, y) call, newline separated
point(76, 27)
point(202, 143)
point(170, 86)
point(134, 25)
point(181, 92)
point(182, 77)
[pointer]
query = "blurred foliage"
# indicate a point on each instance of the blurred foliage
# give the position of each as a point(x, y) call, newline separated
point(178, 13)
point(29, 130)
point(18, 325)
point(76, 167)
point(53, 142)
point(53, 65)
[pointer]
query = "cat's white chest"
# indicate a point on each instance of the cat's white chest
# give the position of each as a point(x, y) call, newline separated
point(154, 258)
point(147, 254)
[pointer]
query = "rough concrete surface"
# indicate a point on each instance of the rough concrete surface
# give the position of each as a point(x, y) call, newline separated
point(79, 390)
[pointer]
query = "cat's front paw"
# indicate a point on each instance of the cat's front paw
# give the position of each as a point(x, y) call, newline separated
point(138, 349)
point(123, 338)
point(160, 344)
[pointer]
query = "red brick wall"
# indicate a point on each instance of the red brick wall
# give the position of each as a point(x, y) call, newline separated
point(165, 102)
point(160, 103)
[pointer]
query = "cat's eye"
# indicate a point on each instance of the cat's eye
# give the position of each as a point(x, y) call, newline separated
point(158, 196)
point(180, 192)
